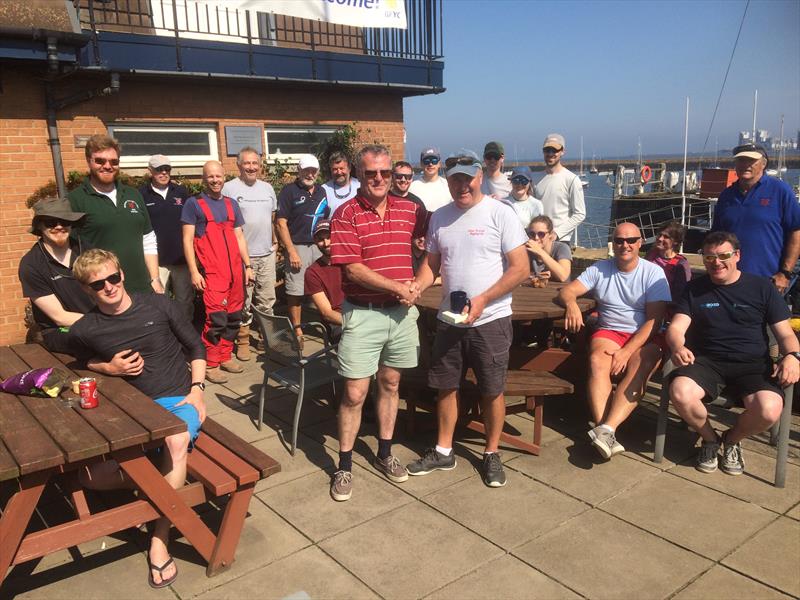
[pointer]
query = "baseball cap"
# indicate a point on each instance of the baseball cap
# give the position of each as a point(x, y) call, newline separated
point(322, 225)
point(158, 160)
point(749, 151)
point(429, 152)
point(464, 161)
point(493, 147)
point(522, 172)
point(554, 140)
point(308, 161)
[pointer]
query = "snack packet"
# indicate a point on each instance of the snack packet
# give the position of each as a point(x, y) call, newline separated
point(46, 382)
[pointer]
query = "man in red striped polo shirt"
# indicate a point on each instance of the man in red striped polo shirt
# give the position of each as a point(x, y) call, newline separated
point(371, 240)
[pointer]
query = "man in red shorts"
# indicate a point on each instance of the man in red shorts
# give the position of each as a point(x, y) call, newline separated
point(632, 295)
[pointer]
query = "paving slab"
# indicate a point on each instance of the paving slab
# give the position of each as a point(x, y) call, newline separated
point(794, 513)
point(409, 552)
point(309, 573)
point(771, 556)
point(719, 582)
point(266, 537)
point(310, 457)
point(690, 515)
point(506, 577)
point(638, 436)
point(306, 502)
point(516, 425)
point(576, 468)
point(599, 556)
point(242, 421)
point(754, 485)
point(497, 514)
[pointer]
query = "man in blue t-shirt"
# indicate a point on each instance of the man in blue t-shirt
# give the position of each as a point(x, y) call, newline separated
point(718, 338)
point(763, 213)
point(632, 295)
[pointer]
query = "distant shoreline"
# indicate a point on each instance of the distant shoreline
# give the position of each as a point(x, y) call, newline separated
point(673, 163)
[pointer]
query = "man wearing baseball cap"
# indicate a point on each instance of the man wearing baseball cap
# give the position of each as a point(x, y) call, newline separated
point(484, 245)
point(763, 212)
point(323, 281)
point(164, 200)
point(300, 205)
point(560, 190)
point(429, 187)
point(495, 183)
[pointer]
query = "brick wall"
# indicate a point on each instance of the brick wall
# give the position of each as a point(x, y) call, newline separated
point(26, 164)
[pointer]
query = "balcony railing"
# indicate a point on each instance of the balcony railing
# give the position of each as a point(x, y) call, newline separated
point(191, 19)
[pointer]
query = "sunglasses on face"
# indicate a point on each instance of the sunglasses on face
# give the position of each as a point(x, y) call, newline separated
point(491, 156)
point(619, 241)
point(372, 174)
point(721, 256)
point(537, 234)
point(403, 176)
point(551, 151)
point(114, 162)
point(459, 160)
point(520, 180)
point(51, 223)
point(430, 160)
point(98, 285)
point(163, 169)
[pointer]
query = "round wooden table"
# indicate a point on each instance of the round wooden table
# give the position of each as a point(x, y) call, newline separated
point(527, 303)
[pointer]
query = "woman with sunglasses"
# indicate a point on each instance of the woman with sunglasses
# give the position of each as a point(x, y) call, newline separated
point(664, 253)
point(550, 259)
point(525, 205)
point(57, 300)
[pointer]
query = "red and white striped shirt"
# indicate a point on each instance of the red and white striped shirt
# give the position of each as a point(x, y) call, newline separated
point(358, 235)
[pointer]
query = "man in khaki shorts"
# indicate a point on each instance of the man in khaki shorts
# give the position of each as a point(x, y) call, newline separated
point(371, 240)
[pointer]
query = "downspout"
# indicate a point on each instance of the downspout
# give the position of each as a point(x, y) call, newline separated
point(52, 125)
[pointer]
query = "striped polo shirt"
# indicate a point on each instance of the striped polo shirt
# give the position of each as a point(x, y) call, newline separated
point(358, 235)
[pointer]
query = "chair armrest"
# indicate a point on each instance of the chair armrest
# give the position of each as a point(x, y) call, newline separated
point(316, 325)
point(327, 350)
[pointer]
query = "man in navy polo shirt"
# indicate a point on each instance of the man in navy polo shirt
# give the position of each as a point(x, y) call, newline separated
point(764, 214)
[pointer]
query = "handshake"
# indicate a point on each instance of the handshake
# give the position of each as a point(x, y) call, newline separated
point(408, 292)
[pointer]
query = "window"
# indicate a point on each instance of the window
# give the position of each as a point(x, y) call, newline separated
point(289, 142)
point(185, 146)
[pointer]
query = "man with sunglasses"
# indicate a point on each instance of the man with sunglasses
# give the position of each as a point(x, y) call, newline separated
point(402, 176)
point(718, 339)
point(764, 214)
point(478, 246)
point(164, 200)
point(371, 242)
point(342, 185)
point(429, 187)
point(632, 295)
point(560, 190)
point(495, 183)
point(116, 217)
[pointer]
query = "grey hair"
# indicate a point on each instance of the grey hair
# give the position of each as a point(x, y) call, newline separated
point(246, 150)
point(375, 149)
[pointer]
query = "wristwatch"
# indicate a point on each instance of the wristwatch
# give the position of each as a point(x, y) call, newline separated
point(795, 354)
point(199, 384)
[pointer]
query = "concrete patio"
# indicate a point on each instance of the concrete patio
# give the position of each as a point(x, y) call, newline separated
point(567, 524)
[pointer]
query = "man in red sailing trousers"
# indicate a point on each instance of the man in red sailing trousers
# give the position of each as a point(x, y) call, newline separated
point(216, 254)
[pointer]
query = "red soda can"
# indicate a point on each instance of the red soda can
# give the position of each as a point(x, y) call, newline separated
point(88, 390)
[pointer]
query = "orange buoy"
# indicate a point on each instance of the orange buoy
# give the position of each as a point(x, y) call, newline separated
point(646, 174)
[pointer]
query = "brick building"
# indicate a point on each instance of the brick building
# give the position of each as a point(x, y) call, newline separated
point(162, 79)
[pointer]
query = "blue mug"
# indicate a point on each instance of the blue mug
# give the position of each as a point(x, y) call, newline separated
point(458, 300)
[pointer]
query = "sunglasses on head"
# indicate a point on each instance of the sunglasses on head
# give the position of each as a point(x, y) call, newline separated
point(403, 176)
point(430, 160)
point(626, 240)
point(537, 234)
point(491, 156)
point(520, 180)
point(721, 256)
point(459, 160)
point(114, 162)
point(372, 174)
point(51, 222)
point(98, 285)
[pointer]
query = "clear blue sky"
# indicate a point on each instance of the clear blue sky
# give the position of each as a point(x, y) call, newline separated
point(609, 71)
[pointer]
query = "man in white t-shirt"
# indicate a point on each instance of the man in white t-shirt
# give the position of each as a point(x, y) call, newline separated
point(430, 188)
point(632, 295)
point(478, 246)
point(341, 186)
point(560, 190)
point(258, 204)
point(495, 183)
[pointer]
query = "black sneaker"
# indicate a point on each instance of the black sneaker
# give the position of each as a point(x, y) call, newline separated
point(430, 461)
point(493, 473)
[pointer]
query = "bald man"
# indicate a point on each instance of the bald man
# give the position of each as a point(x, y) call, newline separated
point(631, 295)
point(219, 265)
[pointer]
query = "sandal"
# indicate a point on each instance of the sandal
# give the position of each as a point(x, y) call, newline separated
point(164, 582)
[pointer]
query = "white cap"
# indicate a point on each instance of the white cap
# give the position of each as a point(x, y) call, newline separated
point(308, 161)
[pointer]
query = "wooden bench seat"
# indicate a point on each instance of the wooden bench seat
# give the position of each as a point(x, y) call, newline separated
point(533, 386)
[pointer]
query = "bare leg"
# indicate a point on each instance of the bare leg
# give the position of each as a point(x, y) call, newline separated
point(762, 410)
point(387, 400)
point(293, 304)
point(349, 415)
point(599, 384)
point(174, 470)
point(687, 398)
point(494, 417)
point(447, 416)
point(630, 390)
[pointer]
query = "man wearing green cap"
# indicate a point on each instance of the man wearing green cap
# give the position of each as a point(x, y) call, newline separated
point(495, 183)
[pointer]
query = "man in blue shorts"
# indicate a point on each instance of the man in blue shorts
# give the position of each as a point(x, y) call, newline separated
point(632, 295)
point(142, 338)
point(718, 338)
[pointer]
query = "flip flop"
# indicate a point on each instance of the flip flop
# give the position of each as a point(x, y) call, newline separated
point(164, 582)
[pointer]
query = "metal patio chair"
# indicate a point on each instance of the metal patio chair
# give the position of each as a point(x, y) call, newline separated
point(294, 371)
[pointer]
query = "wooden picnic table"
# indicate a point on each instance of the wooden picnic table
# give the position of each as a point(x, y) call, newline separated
point(44, 437)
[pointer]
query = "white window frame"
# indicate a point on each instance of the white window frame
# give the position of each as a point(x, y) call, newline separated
point(132, 161)
point(292, 158)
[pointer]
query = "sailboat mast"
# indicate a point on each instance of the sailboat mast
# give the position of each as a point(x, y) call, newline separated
point(755, 112)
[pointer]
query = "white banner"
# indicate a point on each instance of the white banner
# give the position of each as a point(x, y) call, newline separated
point(358, 13)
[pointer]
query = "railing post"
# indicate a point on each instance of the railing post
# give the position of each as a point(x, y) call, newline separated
point(95, 48)
point(250, 68)
point(178, 61)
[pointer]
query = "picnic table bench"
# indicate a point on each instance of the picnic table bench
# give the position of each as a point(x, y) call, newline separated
point(44, 437)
